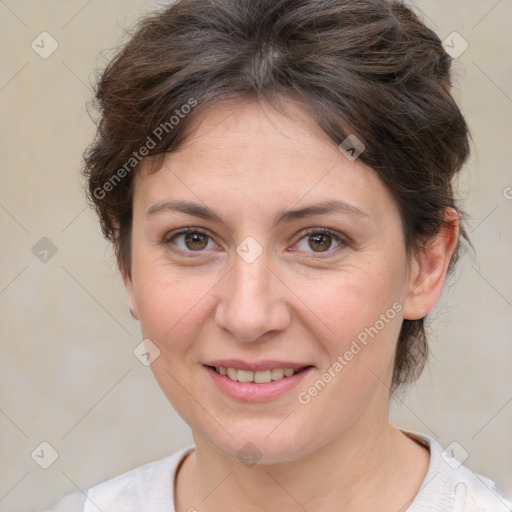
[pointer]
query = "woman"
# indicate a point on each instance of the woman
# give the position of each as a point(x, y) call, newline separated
point(280, 315)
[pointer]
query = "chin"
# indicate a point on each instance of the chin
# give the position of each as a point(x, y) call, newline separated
point(261, 444)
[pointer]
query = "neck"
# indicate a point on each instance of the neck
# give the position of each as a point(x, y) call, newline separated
point(376, 467)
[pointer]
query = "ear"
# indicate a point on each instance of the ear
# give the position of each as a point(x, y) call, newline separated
point(428, 269)
point(128, 284)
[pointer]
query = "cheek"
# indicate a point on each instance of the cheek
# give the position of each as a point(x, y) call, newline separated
point(360, 312)
point(171, 304)
point(352, 298)
point(172, 311)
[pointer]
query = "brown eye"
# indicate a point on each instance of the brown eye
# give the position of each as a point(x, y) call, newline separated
point(196, 241)
point(190, 240)
point(320, 240)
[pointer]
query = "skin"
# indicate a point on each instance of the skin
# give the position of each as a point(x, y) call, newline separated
point(246, 162)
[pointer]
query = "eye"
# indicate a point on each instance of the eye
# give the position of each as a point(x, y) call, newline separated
point(320, 240)
point(316, 240)
point(190, 240)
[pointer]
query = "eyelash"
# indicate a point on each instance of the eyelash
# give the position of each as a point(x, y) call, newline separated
point(343, 242)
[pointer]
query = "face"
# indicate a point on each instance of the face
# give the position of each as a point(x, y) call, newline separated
point(259, 246)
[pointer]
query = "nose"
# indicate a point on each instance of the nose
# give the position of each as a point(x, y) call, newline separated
point(251, 304)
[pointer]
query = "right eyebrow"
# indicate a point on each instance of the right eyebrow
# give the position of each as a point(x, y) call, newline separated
point(186, 207)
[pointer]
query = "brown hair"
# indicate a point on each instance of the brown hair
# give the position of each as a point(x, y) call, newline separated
point(370, 65)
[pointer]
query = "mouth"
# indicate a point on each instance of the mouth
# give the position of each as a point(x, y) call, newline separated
point(257, 377)
point(263, 381)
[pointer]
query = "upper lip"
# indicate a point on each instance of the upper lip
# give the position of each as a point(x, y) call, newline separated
point(256, 366)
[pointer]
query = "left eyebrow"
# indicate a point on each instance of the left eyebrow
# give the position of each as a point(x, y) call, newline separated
point(319, 209)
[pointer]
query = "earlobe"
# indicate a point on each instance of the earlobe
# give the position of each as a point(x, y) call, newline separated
point(429, 268)
point(128, 284)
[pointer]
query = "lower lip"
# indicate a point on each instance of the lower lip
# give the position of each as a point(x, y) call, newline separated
point(252, 392)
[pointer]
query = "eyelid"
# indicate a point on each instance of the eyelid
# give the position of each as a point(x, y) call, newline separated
point(168, 237)
point(343, 240)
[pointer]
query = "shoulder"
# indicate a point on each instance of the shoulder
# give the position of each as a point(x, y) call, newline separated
point(451, 486)
point(148, 487)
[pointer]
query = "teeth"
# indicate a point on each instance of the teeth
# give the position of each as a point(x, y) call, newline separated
point(244, 376)
point(277, 373)
point(258, 377)
point(262, 377)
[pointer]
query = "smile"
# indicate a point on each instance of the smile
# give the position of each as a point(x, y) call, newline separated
point(256, 381)
point(258, 377)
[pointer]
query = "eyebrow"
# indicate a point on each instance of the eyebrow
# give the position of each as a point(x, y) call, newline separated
point(281, 216)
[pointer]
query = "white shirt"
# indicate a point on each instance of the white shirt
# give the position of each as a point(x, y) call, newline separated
point(448, 487)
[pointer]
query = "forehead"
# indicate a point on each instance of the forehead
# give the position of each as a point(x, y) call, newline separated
point(256, 133)
point(249, 155)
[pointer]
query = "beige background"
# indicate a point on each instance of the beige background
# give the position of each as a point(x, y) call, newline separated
point(68, 374)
